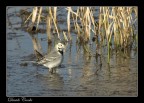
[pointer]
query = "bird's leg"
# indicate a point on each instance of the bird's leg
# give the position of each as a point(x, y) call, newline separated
point(54, 70)
point(50, 70)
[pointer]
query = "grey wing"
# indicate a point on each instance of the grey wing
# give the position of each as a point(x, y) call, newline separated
point(52, 56)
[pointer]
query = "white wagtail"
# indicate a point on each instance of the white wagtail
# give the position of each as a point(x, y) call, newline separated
point(53, 59)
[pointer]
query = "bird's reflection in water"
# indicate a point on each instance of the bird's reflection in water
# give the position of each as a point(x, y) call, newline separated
point(53, 81)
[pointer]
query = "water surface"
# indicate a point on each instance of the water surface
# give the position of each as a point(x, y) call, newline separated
point(79, 75)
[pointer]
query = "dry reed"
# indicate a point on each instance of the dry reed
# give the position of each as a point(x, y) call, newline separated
point(34, 13)
point(55, 24)
point(39, 15)
point(119, 22)
point(48, 29)
point(68, 22)
point(115, 25)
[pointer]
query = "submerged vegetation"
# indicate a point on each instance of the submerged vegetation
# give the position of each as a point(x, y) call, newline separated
point(114, 27)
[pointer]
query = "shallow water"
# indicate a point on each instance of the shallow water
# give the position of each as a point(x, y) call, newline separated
point(79, 75)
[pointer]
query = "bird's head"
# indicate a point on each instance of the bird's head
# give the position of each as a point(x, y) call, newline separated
point(60, 47)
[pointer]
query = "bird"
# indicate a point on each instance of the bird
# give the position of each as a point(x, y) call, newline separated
point(53, 59)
